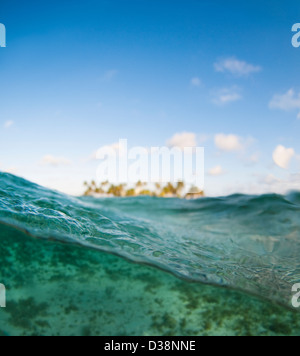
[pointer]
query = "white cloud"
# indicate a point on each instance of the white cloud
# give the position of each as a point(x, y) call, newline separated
point(55, 161)
point(282, 156)
point(226, 95)
point(8, 124)
point(236, 67)
point(114, 150)
point(216, 171)
point(289, 101)
point(228, 143)
point(196, 82)
point(182, 140)
point(115, 146)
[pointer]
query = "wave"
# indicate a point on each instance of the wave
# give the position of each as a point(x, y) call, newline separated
point(248, 243)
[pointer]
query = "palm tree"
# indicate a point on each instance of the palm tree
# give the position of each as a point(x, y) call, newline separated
point(158, 186)
point(117, 190)
point(168, 190)
point(93, 185)
point(88, 190)
point(99, 191)
point(179, 188)
point(195, 193)
point(146, 192)
point(105, 184)
point(139, 185)
point(157, 189)
point(130, 193)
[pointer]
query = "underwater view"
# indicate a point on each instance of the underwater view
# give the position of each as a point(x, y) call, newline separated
point(147, 266)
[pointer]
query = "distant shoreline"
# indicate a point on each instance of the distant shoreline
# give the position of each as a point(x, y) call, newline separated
point(108, 190)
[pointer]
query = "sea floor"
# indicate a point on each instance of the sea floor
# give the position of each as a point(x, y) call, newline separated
point(61, 289)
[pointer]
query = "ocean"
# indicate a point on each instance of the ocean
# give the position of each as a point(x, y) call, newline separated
point(147, 266)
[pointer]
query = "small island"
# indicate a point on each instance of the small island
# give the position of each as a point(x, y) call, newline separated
point(106, 190)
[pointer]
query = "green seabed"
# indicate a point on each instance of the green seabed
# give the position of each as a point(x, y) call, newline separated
point(62, 289)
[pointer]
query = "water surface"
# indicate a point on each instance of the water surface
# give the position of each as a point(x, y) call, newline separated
point(147, 266)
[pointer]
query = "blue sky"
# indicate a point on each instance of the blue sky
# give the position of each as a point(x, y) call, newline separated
point(76, 76)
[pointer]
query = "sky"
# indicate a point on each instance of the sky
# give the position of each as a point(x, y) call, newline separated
point(80, 75)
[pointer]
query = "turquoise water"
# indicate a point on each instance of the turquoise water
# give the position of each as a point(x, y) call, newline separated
point(147, 266)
